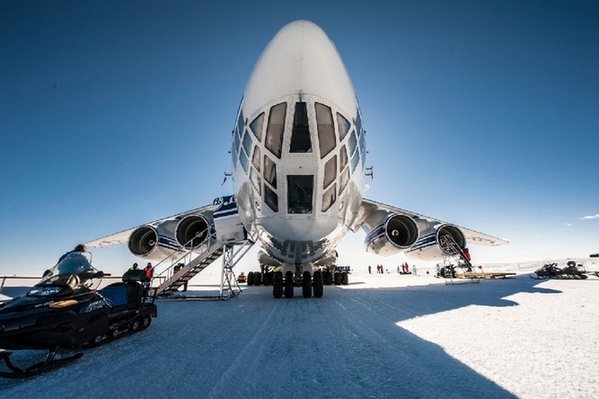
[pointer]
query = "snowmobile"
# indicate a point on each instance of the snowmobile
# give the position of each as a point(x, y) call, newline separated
point(64, 312)
point(551, 270)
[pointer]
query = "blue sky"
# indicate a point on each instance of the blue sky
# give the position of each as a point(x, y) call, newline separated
point(479, 113)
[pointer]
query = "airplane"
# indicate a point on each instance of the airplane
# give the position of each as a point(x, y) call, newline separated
point(298, 167)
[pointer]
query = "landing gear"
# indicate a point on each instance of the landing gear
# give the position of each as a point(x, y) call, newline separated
point(307, 285)
point(311, 284)
point(277, 284)
point(289, 284)
point(318, 284)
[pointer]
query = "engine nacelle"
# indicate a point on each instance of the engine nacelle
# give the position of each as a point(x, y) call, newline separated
point(154, 243)
point(394, 235)
point(194, 230)
point(437, 242)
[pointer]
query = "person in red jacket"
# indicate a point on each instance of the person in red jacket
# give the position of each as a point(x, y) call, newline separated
point(149, 271)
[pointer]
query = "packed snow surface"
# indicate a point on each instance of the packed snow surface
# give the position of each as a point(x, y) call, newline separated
point(383, 336)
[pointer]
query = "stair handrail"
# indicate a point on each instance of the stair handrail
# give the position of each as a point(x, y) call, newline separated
point(208, 243)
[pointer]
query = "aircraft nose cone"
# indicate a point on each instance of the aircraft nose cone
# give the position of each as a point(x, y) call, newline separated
point(300, 57)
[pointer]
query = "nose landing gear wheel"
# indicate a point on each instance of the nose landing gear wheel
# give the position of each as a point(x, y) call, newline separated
point(307, 285)
point(277, 284)
point(318, 284)
point(289, 285)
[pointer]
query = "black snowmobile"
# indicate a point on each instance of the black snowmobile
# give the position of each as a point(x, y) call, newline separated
point(551, 270)
point(64, 312)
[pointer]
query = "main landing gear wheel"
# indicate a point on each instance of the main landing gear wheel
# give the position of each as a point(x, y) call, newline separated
point(277, 284)
point(307, 285)
point(337, 278)
point(318, 284)
point(327, 277)
point(289, 284)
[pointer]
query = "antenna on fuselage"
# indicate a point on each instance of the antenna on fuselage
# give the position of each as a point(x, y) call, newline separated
point(370, 172)
point(225, 179)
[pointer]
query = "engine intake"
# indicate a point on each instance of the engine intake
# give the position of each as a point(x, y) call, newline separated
point(154, 243)
point(437, 242)
point(143, 241)
point(395, 234)
point(192, 231)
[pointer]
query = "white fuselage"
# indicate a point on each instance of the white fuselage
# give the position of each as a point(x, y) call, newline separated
point(298, 148)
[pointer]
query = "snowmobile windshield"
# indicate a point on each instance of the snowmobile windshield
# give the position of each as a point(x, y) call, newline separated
point(72, 263)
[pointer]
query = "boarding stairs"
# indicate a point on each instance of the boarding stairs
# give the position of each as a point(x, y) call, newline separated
point(174, 280)
point(190, 266)
point(453, 259)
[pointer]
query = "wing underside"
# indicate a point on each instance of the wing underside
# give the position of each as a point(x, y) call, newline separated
point(372, 213)
point(123, 236)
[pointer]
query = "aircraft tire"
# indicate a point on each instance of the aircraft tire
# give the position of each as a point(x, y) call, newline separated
point(277, 284)
point(344, 278)
point(250, 279)
point(268, 278)
point(289, 284)
point(307, 285)
point(257, 278)
point(318, 284)
point(327, 277)
point(337, 278)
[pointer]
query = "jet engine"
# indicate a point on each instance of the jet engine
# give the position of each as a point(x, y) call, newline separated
point(192, 231)
point(154, 242)
point(394, 235)
point(438, 241)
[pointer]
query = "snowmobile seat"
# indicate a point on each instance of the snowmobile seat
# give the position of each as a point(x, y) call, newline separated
point(134, 276)
point(123, 294)
point(115, 294)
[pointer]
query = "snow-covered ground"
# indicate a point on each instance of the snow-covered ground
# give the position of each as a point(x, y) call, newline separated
point(381, 336)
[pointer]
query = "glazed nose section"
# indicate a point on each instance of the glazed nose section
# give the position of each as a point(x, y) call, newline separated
point(299, 59)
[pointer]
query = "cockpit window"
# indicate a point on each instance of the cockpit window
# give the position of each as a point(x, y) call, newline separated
point(329, 197)
point(275, 129)
point(235, 150)
point(271, 198)
point(247, 143)
point(256, 126)
point(344, 180)
point(270, 171)
point(359, 124)
point(300, 189)
point(256, 158)
point(363, 147)
point(343, 157)
point(326, 129)
point(342, 126)
point(354, 161)
point(243, 159)
point(300, 136)
point(240, 124)
point(330, 172)
point(353, 143)
point(255, 178)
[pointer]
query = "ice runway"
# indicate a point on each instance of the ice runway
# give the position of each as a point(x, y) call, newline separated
point(382, 336)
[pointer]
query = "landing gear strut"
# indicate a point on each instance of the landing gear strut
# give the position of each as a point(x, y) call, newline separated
point(312, 284)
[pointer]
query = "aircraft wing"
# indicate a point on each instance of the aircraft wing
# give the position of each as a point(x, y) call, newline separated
point(375, 210)
point(123, 236)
